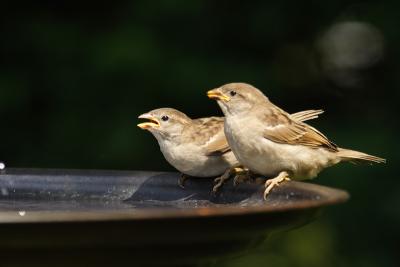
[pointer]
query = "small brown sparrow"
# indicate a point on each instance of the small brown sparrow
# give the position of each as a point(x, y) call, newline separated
point(268, 141)
point(198, 147)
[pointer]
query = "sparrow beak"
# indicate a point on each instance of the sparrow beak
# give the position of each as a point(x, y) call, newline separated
point(218, 95)
point(152, 123)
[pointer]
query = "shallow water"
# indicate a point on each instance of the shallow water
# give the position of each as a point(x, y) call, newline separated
point(73, 206)
point(25, 191)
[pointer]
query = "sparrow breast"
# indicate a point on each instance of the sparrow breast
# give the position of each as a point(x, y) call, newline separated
point(192, 160)
point(269, 158)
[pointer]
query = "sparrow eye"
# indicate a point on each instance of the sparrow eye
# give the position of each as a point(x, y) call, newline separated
point(164, 118)
point(232, 93)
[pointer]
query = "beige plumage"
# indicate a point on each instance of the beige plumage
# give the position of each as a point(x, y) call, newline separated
point(268, 141)
point(198, 147)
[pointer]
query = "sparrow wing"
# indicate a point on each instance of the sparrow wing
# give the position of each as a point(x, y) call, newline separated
point(282, 128)
point(210, 134)
point(217, 145)
point(306, 115)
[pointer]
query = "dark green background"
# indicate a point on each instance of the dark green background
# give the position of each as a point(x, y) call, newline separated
point(75, 76)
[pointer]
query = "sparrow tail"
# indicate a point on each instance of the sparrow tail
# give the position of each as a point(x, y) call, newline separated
point(306, 115)
point(358, 157)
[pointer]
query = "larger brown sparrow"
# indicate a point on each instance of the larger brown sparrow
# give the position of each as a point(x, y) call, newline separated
point(268, 141)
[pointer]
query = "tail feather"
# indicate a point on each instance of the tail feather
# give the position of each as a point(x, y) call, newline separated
point(358, 157)
point(306, 115)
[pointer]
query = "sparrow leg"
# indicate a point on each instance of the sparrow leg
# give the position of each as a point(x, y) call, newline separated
point(219, 181)
point(271, 183)
point(243, 176)
point(182, 179)
point(227, 174)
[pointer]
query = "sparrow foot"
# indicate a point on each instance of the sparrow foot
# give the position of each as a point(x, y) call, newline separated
point(227, 174)
point(182, 179)
point(241, 177)
point(271, 183)
point(219, 181)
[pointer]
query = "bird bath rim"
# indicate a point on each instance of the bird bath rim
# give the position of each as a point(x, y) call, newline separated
point(326, 196)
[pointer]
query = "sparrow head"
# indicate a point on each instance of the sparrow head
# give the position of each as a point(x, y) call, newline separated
point(164, 122)
point(235, 98)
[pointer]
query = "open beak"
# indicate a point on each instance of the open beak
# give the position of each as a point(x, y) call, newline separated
point(218, 95)
point(152, 123)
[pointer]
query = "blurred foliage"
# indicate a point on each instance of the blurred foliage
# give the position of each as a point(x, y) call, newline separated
point(74, 77)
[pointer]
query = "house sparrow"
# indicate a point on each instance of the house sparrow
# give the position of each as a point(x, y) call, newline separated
point(268, 141)
point(198, 147)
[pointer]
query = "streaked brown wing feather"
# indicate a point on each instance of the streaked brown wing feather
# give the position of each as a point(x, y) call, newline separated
point(218, 147)
point(315, 138)
point(210, 133)
point(306, 115)
point(283, 129)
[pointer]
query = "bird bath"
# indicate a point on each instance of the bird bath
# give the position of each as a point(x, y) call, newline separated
point(111, 218)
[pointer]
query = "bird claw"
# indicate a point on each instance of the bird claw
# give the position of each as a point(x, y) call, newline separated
point(219, 182)
point(271, 183)
point(216, 188)
point(182, 179)
point(241, 178)
point(238, 179)
point(227, 174)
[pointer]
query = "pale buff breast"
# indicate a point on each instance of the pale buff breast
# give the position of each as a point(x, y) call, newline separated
point(269, 158)
point(191, 160)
